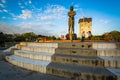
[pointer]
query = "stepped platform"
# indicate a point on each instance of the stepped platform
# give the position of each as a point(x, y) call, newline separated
point(76, 61)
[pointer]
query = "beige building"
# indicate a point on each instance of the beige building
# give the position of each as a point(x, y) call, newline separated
point(85, 24)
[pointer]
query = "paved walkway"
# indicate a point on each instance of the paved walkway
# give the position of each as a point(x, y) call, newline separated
point(12, 72)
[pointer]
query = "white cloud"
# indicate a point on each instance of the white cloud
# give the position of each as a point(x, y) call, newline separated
point(3, 17)
point(9, 29)
point(53, 12)
point(19, 4)
point(3, 1)
point(32, 25)
point(12, 14)
point(47, 17)
point(25, 14)
point(29, 25)
point(22, 7)
point(1, 5)
point(44, 20)
point(1, 11)
point(54, 9)
point(26, 3)
point(104, 21)
point(14, 18)
point(29, 2)
point(4, 10)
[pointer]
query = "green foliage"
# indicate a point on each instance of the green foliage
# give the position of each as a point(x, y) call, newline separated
point(50, 37)
point(6, 37)
point(115, 35)
point(30, 36)
point(97, 37)
point(112, 36)
point(2, 37)
point(22, 37)
point(19, 38)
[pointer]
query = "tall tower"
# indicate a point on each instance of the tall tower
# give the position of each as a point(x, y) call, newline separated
point(85, 24)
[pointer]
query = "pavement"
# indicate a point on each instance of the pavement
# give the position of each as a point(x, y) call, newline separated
point(12, 72)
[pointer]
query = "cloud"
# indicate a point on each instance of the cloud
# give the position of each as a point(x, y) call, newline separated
point(41, 21)
point(32, 25)
point(3, 1)
point(22, 7)
point(4, 10)
point(9, 29)
point(1, 11)
point(26, 3)
point(25, 14)
point(14, 18)
point(29, 2)
point(24, 27)
point(55, 9)
point(19, 4)
point(53, 12)
point(104, 21)
point(28, 25)
point(12, 14)
point(3, 17)
point(2, 5)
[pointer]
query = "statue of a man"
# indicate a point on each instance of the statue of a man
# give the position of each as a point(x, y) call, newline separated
point(71, 15)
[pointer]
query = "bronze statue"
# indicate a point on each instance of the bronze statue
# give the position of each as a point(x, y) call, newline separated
point(71, 15)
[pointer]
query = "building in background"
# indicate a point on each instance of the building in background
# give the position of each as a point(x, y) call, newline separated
point(85, 24)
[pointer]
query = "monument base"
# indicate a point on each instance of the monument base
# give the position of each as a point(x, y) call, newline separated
point(74, 36)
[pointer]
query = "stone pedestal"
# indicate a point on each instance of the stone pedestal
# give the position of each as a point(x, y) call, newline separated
point(74, 37)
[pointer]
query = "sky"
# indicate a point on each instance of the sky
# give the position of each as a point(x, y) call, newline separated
point(49, 17)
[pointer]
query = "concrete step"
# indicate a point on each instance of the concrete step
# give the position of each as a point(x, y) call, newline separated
point(38, 49)
point(106, 45)
point(79, 52)
point(64, 70)
point(80, 72)
point(93, 61)
point(115, 71)
point(74, 51)
point(87, 45)
point(108, 52)
point(58, 45)
point(35, 65)
point(75, 45)
point(111, 62)
point(89, 52)
point(34, 44)
point(33, 55)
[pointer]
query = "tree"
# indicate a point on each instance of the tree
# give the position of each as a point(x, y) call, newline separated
point(19, 38)
point(112, 36)
point(30, 36)
point(2, 39)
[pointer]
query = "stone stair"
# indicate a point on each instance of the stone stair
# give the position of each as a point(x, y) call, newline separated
point(33, 55)
point(76, 61)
